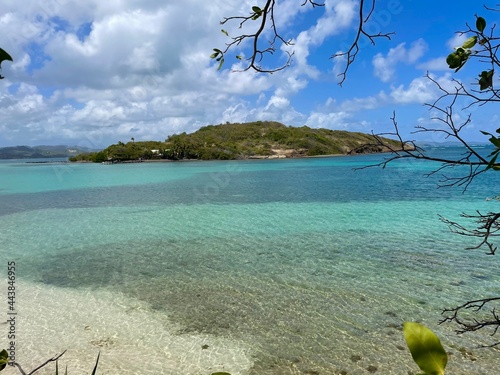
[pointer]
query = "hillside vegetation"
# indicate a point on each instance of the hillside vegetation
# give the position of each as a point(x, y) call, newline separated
point(26, 152)
point(242, 141)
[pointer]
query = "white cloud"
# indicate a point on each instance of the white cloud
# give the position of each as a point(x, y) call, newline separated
point(385, 67)
point(101, 71)
point(422, 90)
point(144, 65)
point(437, 64)
point(338, 16)
point(457, 40)
point(332, 120)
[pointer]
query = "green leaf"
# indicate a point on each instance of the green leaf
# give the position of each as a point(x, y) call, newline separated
point(221, 63)
point(256, 9)
point(486, 79)
point(480, 24)
point(4, 56)
point(214, 55)
point(471, 42)
point(453, 60)
point(492, 162)
point(495, 141)
point(457, 59)
point(425, 348)
point(4, 359)
point(239, 57)
point(224, 32)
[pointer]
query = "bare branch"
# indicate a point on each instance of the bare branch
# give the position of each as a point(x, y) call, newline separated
point(313, 3)
point(353, 51)
point(53, 359)
point(409, 149)
point(487, 227)
point(467, 323)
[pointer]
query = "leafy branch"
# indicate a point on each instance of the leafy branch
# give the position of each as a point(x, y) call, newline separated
point(265, 16)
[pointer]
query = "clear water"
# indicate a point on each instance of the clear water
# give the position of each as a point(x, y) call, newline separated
point(254, 267)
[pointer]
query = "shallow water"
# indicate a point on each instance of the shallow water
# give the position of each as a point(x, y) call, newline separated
point(280, 267)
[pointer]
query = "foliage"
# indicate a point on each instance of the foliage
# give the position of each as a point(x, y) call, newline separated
point(425, 348)
point(122, 152)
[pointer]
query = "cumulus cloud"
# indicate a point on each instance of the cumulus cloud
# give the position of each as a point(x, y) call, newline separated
point(332, 120)
point(117, 67)
point(436, 64)
point(385, 66)
point(338, 16)
point(95, 72)
point(422, 90)
point(457, 40)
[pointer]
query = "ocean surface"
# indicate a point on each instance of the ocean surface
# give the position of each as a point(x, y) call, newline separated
point(302, 266)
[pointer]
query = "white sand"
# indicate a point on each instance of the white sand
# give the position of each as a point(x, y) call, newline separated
point(131, 338)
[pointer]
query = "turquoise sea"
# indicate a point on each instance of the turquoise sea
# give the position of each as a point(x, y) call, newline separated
point(302, 266)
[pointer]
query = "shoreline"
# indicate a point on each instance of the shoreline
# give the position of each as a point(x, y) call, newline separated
point(271, 157)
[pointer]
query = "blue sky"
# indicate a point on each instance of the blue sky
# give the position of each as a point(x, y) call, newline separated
point(93, 73)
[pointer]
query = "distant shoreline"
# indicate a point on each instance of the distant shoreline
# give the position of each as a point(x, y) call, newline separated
point(222, 160)
point(272, 157)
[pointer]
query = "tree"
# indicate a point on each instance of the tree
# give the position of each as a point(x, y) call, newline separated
point(482, 46)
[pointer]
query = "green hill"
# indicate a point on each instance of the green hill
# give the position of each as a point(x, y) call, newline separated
point(256, 140)
point(26, 152)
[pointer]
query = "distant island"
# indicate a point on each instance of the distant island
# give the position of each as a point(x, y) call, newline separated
point(254, 140)
point(26, 152)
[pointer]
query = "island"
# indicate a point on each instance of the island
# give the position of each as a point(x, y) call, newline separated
point(253, 140)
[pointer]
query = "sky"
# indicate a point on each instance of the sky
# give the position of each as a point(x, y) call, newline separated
point(92, 73)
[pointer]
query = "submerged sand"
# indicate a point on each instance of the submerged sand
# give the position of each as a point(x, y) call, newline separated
point(131, 338)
